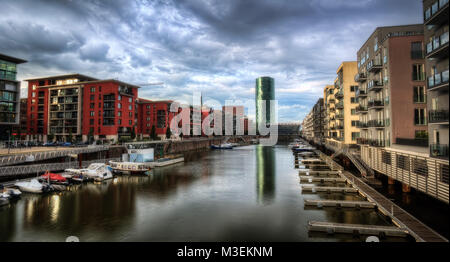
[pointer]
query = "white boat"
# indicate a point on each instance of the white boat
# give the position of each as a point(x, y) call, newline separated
point(32, 186)
point(98, 172)
point(222, 146)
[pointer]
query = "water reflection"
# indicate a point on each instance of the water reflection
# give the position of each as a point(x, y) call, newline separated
point(265, 174)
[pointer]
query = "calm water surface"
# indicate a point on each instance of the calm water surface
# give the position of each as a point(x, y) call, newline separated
point(249, 193)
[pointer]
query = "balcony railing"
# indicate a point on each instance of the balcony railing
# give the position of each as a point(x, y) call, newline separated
point(361, 108)
point(437, 43)
point(375, 103)
point(375, 85)
point(360, 77)
point(340, 115)
point(438, 79)
point(438, 116)
point(362, 141)
point(377, 143)
point(430, 12)
point(374, 65)
point(362, 125)
point(376, 123)
point(412, 142)
point(361, 92)
point(438, 150)
point(340, 93)
point(340, 105)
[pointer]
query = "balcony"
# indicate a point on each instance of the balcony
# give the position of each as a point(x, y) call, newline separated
point(376, 123)
point(374, 65)
point(438, 81)
point(438, 150)
point(377, 143)
point(340, 115)
point(438, 47)
point(437, 13)
point(360, 77)
point(376, 104)
point(438, 116)
point(375, 85)
point(362, 141)
point(362, 125)
point(339, 94)
point(361, 93)
point(361, 109)
point(332, 109)
point(340, 127)
point(340, 105)
point(331, 101)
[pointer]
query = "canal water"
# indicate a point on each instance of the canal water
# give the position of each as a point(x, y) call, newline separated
point(250, 193)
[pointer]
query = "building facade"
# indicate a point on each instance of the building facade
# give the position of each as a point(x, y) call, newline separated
point(78, 107)
point(308, 127)
point(391, 92)
point(154, 114)
point(344, 122)
point(9, 95)
point(318, 112)
point(436, 31)
point(265, 92)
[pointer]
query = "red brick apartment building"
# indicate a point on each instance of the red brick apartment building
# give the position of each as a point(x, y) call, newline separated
point(80, 106)
point(154, 113)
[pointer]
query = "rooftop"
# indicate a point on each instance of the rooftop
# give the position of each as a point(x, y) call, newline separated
point(12, 59)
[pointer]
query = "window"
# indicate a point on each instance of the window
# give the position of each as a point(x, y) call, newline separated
point(375, 46)
point(91, 121)
point(148, 124)
point(353, 111)
point(120, 121)
point(148, 107)
point(421, 134)
point(161, 119)
point(148, 118)
point(419, 94)
point(355, 135)
point(353, 100)
point(148, 112)
point(403, 162)
point(119, 113)
point(420, 116)
point(119, 97)
point(119, 105)
point(354, 123)
point(129, 99)
point(130, 122)
point(418, 73)
point(92, 113)
point(386, 158)
point(92, 97)
point(92, 89)
point(130, 107)
point(353, 88)
point(92, 105)
point(416, 50)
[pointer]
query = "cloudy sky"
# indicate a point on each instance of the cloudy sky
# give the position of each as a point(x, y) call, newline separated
point(218, 47)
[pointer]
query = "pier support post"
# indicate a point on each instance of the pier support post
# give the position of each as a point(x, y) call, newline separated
point(406, 188)
point(391, 181)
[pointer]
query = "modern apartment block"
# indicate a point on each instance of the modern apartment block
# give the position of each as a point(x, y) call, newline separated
point(330, 112)
point(436, 31)
point(20, 131)
point(393, 110)
point(318, 112)
point(308, 127)
point(82, 107)
point(344, 120)
point(9, 95)
point(391, 93)
point(153, 114)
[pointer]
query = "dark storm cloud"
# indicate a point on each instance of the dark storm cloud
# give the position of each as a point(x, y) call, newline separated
point(216, 47)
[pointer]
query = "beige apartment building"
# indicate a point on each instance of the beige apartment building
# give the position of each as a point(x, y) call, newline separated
point(343, 122)
point(308, 127)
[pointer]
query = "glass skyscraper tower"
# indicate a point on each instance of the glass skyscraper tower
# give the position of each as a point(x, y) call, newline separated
point(265, 91)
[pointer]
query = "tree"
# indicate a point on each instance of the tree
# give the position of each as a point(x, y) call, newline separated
point(168, 133)
point(153, 133)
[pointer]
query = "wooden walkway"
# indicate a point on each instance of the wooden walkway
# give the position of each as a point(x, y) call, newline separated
point(403, 219)
point(332, 228)
point(315, 189)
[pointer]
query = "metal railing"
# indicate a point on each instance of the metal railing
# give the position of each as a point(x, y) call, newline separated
point(438, 116)
point(438, 150)
point(412, 142)
point(437, 42)
point(438, 79)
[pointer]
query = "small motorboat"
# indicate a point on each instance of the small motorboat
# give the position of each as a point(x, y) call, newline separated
point(222, 146)
point(294, 145)
point(33, 186)
point(10, 193)
point(53, 178)
point(95, 171)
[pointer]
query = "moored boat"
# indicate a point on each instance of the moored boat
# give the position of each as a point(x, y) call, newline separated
point(33, 186)
point(222, 146)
